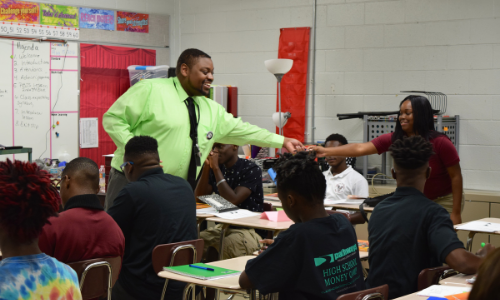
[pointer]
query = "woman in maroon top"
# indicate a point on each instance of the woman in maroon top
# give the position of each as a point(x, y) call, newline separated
point(445, 184)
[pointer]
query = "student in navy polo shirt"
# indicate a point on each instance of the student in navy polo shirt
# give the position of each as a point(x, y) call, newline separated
point(83, 230)
point(408, 232)
point(153, 209)
point(239, 181)
point(317, 257)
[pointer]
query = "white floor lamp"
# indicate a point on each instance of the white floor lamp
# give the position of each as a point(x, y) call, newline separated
point(279, 67)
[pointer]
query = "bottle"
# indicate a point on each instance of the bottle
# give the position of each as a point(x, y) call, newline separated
point(54, 169)
point(102, 181)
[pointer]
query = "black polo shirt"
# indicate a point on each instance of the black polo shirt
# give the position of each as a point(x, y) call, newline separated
point(317, 259)
point(407, 233)
point(243, 173)
point(156, 209)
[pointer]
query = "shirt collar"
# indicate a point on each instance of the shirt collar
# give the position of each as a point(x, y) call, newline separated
point(341, 175)
point(181, 92)
point(407, 191)
point(235, 167)
point(151, 172)
point(84, 201)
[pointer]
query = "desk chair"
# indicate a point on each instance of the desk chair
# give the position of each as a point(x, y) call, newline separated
point(380, 293)
point(431, 276)
point(176, 254)
point(97, 276)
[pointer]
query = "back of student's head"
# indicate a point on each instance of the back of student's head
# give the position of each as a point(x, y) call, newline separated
point(139, 146)
point(411, 153)
point(189, 57)
point(27, 200)
point(300, 174)
point(336, 137)
point(85, 170)
point(487, 285)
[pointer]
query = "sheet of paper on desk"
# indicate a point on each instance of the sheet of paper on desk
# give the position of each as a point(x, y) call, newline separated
point(343, 201)
point(480, 226)
point(443, 290)
point(236, 214)
point(208, 210)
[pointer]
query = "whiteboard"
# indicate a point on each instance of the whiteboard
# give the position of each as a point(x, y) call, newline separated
point(38, 89)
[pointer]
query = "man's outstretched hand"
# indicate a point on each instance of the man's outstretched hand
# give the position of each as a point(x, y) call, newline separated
point(293, 145)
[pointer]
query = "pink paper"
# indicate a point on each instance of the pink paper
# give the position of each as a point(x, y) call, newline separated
point(275, 216)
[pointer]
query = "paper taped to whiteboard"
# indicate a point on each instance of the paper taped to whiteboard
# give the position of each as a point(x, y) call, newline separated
point(89, 133)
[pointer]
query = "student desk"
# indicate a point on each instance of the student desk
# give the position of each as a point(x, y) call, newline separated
point(458, 280)
point(413, 296)
point(229, 284)
point(354, 207)
point(472, 233)
point(200, 217)
point(249, 222)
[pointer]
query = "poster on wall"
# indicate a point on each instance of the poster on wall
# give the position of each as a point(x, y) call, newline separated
point(97, 19)
point(19, 11)
point(59, 15)
point(127, 21)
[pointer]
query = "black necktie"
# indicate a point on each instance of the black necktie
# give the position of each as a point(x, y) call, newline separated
point(193, 134)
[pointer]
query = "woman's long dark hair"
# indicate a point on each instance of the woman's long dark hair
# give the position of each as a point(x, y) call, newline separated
point(423, 119)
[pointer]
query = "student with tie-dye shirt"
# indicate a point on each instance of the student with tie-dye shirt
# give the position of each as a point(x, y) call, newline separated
point(27, 200)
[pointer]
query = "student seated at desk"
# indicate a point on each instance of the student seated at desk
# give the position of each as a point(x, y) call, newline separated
point(153, 209)
point(342, 180)
point(407, 231)
point(239, 181)
point(317, 257)
point(486, 286)
point(83, 230)
point(27, 200)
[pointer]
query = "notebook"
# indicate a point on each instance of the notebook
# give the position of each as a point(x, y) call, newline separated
point(218, 202)
point(217, 273)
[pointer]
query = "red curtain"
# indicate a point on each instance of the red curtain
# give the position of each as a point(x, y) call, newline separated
point(294, 44)
point(104, 78)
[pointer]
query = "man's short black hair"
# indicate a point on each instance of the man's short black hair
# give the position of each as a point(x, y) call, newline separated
point(140, 145)
point(86, 169)
point(412, 152)
point(336, 137)
point(189, 57)
point(300, 173)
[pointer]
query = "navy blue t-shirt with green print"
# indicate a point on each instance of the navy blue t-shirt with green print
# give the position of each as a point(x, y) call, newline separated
point(243, 173)
point(317, 259)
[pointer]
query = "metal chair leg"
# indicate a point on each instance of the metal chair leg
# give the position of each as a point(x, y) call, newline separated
point(469, 241)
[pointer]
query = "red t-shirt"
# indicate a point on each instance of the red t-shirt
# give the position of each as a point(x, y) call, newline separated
point(83, 231)
point(446, 155)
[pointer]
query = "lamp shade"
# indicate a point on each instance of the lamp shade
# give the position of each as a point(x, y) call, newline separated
point(284, 118)
point(279, 65)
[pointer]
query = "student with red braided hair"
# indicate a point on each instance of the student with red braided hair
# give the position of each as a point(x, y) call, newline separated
point(27, 200)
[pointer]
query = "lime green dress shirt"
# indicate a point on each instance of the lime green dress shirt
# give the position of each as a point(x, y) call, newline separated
point(156, 108)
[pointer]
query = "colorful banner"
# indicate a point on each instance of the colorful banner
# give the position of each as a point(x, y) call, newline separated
point(97, 19)
point(19, 11)
point(127, 21)
point(59, 15)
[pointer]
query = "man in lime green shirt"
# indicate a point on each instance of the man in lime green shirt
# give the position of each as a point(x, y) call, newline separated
point(158, 108)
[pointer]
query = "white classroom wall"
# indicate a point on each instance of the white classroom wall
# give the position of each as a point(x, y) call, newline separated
point(367, 52)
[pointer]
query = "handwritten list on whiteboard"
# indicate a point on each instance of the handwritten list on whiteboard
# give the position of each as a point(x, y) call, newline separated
point(38, 103)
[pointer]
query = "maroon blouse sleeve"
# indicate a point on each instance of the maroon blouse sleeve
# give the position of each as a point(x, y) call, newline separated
point(446, 151)
point(383, 142)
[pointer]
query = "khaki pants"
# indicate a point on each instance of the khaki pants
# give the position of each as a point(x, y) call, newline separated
point(446, 201)
point(237, 241)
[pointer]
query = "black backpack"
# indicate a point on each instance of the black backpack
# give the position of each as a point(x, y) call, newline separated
point(372, 202)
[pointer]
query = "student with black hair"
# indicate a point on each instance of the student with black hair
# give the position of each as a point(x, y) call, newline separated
point(153, 209)
point(27, 200)
point(342, 180)
point(83, 230)
point(408, 232)
point(416, 117)
point(317, 257)
point(186, 124)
